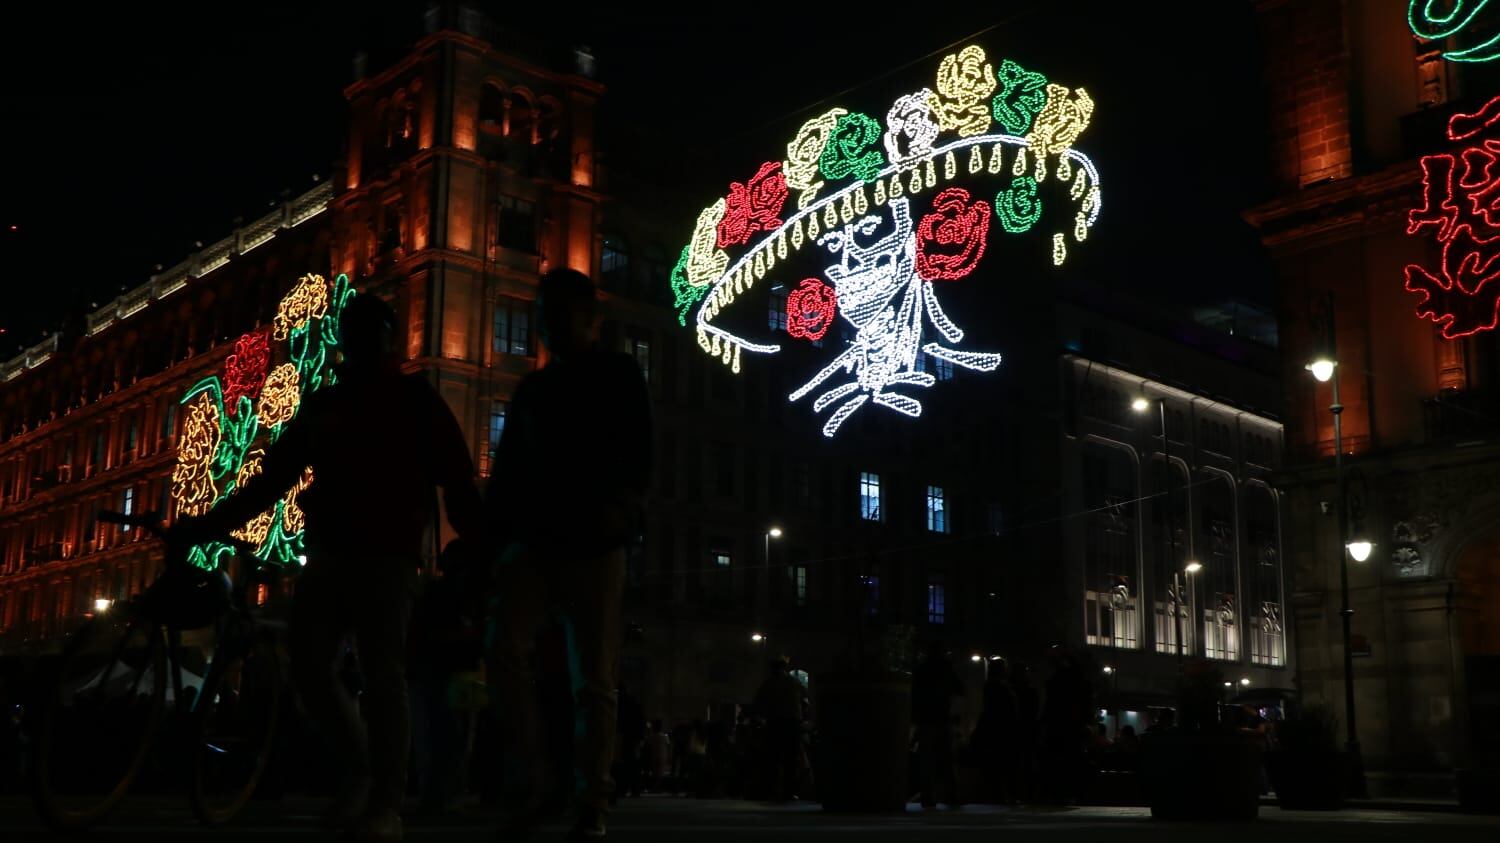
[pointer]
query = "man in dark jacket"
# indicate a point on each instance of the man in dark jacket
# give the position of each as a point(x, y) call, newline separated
point(934, 684)
point(377, 442)
point(565, 497)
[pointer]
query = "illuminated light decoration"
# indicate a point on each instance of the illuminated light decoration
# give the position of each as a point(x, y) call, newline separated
point(831, 160)
point(684, 293)
point(1018, 207)
point(852, 149)
point(805, 153)
point(753, 206)
point(1439, 20)
point(965, 82)
point(1023, 93)
point(1461, 209)
point(951, 240)
point(218, 452)
point(706, 261)
point(810, 309)
point(881, 292)
point(910, 129)
point(1058, 124)
point(245, 369)
point(279, 397)
point(307, 300)
point(193, 487)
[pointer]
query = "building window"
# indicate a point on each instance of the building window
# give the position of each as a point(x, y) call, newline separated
point(96, 456)
point(721, 559)
point(169, 421)
point(942, 369)
point(127, 506)
point(1110, 558)
point(1214, 590)
point(869, 497)
point(937, 602)
point(641, 351)
point(776, 309)
point(799, 585)
point(1263, 614)
point(132, 436)
point(937, 510)
point(493, 430)
point(614, 265)
point(513, 225)
point(512, 327)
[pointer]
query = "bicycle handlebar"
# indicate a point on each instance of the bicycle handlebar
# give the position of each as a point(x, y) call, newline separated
point(153, 523)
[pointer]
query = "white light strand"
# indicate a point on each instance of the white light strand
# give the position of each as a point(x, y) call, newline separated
point(910, 129)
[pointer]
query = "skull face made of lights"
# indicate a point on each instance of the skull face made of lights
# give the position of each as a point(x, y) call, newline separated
point(230, 421)
point(899, 209)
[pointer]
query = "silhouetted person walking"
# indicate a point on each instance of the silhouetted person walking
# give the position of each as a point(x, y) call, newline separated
point(377, 442)
point(994, 736)
point(934, 684)
point(779, 701)
point(1023, 773)
point(569, 478)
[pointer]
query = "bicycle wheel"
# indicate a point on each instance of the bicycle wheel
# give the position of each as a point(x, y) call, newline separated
point(98, 718)
point(236, 717)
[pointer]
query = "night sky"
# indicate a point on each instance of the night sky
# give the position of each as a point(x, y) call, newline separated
point(132, 131)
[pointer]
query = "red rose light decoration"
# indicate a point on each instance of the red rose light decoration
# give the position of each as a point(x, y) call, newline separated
point(753, 206)
point(951, 239)
point(1461, 196)
point(245, 369)
point(810, 309)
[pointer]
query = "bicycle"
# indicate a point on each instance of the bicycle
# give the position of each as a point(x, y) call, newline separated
point(105, 705)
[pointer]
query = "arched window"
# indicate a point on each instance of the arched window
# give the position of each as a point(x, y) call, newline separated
point(1263, 605)
point(522, 119)
point(1216, 585)
point(1168, 549)
point(492, 121)
point(1111, 562)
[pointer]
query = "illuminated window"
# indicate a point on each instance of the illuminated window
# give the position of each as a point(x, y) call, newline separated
point(641, 351)
point(801, 677)
point(721, 559)
point(937, 510)
point(776, 309)
point(512, 327)
point(132, 436)
point(127, 506)
point(869, 497)
point(614, 264)
point(942, 369)
point(937, 599)
point(799, 584)
point(493, 431)
point(513, 224)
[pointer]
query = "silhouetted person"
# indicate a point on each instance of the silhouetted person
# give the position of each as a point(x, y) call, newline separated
point(631, 732)
point(444, 642)
point(934, 684)
point(566, 490)
point(994, 735)
point(1027, 740)
point(377, 442)
point(779, 701)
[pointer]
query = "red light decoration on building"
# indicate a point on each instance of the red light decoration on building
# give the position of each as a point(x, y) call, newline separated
point(753, 206)
point(1461, 206)
point(952, 239)
point(810, 309)
point(245, 369)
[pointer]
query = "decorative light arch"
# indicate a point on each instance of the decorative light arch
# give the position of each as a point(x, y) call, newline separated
point(901, 208)
point(1461, 211)
point(231, 420)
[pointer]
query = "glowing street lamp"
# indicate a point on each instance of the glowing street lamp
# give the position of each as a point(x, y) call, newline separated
point(757, 637)
point(1245, 682)
point(1193, 567)
point(1359, 549)
point(976, 658)
point(1322, 369)
point(1140, 404)
point(102, 604)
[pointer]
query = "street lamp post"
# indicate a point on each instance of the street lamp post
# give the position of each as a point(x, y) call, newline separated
point(1325, 370)
point(1140, 405)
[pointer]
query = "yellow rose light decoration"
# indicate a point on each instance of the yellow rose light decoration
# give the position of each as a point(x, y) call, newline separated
point(965, 82)
point(193, 477)
point(804, 152)
point(257, 528)
point(279, 397)
point(307, 300)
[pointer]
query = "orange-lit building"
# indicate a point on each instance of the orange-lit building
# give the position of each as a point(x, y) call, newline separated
point(1355, 99)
